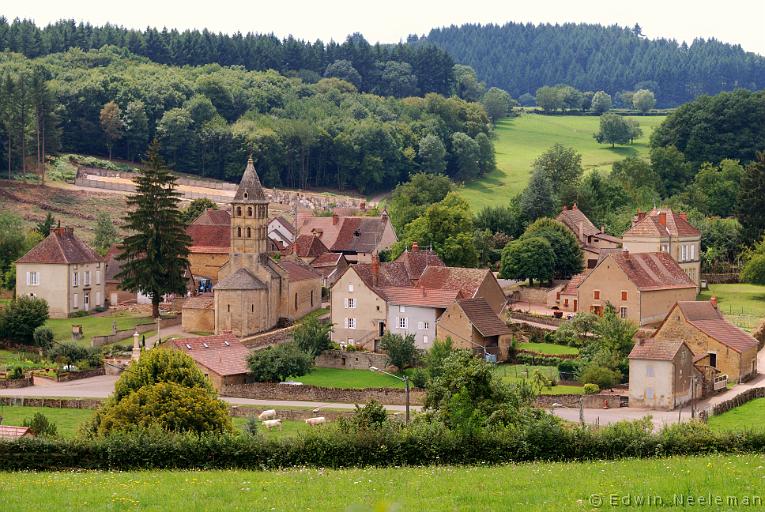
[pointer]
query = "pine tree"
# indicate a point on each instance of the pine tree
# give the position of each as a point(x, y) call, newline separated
point(45, 226)
point(751, 199)
point(155, 255)
point(106, 233)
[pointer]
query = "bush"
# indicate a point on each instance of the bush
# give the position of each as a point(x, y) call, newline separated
point(43, 337)
point(160, 366)
point(372, 416)
point(538, 359)
point(22, 316)
point(78, 314)
point(251, 426)
point(401, 350)
point(600, 375)
point(73, 354)
point(312, 336)
point(591, 389)
point(16, 373)
point(41, 426)
point(419, 378)
point(276, 364)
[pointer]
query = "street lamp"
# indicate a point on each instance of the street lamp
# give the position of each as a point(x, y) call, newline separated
point(403, 379)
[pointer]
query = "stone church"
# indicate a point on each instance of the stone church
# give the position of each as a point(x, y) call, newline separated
point(254, 292)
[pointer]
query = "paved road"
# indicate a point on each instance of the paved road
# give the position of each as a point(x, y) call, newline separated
point(102, 387)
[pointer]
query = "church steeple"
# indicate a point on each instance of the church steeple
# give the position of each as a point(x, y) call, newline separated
point(249, 215)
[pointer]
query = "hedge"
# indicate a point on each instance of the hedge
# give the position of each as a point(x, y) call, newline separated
point(546, 440)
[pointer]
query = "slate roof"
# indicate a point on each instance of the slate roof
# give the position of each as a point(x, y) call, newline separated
point(202, 301)
point(213, 217)
point(573, 217)
point(250, 190)
point(467, 280)
point(308, 246)
point(223, 354)
point(651, 270)
point(424, 297)
point(206, 238)
point(707, 318)
point(242, 279)
point(298, 271)
point(483, 317)
point(656, 350)
point(10, 433)
point(61, 247)
point(359, 234)
point(649, 225)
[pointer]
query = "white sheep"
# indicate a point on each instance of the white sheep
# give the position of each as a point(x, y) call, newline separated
point(320, 420)
point(269, 424)
point(267, 415)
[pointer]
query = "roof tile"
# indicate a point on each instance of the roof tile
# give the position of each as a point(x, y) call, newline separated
point(483, 317)
point(224, 353)
point(61, 247)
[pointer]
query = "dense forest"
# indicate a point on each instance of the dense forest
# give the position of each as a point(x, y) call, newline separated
point(412, 69)
point(208, 118)
point(520, 58)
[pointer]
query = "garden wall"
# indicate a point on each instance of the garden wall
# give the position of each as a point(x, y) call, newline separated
point(270, 391)
point(269, 338)
point(60, 403)
point(547, 320)
point(351, 360)
point(598, 401)
point(741, 399)
point(124, 334)
point(15, 383)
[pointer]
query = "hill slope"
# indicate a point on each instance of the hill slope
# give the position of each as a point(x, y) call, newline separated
point(523, 57)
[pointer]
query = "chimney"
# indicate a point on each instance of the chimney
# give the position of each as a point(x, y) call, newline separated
point(375, 269)
point(363, 206)
point(663, 218)
point(573, 206)
point(335, 219)
point(683, 215)
point(626, 253)
point(565, 208)
point(415, 247)
point(713, 301)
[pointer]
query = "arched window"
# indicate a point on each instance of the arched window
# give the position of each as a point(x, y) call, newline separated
point(239, 231)
point(249, 211)
point(238, 211)
point(249, 233)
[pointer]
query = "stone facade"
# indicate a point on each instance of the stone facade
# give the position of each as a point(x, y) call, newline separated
point(663, 384)
point(198, 320)
point(365, 320)
point(207, 264)
point(348, 360)
point(269, 391)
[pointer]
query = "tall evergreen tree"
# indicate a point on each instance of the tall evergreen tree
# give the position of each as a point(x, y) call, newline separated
point(155, 255)
point(751, 199)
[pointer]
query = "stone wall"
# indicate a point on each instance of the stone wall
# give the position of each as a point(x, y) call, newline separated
point(61, 403)
point(597, 401)
point(287, 414)
point(536, 294)
point(741, 399)
point(16, 383)
point(86, 374)
point(124, 334)
point(269, 338)
point(547, 320)
point(269, 391)
point(351, 360)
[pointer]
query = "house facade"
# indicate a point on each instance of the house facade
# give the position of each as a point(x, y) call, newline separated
point(359, 310)
point(210, 243)
point(281, 231)
point(415, 311)
point(65, 272)
point(663, 375)
point(591, 239)
point(472, 324)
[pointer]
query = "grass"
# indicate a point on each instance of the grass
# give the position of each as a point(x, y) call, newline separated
point(94, 326)
point(519, 141)
point(751, 415)
point(512, 373)
point(348, 379)
point(742, 304)
point(577, 486)
point(549, 348)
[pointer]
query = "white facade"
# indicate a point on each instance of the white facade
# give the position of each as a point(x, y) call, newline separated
point(417, 320)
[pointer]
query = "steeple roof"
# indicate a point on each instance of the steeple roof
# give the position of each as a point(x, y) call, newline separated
point(250, 190)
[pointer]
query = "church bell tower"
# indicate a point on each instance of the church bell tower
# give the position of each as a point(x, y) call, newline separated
point(249, 215)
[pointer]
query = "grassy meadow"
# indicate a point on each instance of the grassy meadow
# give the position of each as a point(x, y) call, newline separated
point(751, 415)
point(520, 140)
point(549, 348)
point(544, 487)
point(516, 372)
point(743, 304)
point(348, 379)
point(100, 325)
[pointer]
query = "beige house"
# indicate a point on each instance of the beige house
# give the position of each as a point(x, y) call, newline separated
point(210, 243)
point(662, 230)
point(199, 314)
point(663, 375)
point(642, 287)
point(65, 272)
point(472, 324)
point(592, 240)
point(708, 334)
point(222, 358)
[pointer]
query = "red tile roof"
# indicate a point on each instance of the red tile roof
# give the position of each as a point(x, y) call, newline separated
point(573, 218)
point(308, 246)
point(483, 317)
point(656, 350)
point(467, 280)
point(202, 301)
point(573, 284)
point(61, 247)
point(650, 225)
point(328, 259)
point(223, 354)
point(213, 217)
point(391, 274)
point(651, 270)
point(9, 433)
point(298, 271)
point(359, 234)
point(416, 261)
point(707, 318)
point(327, 230)
point(207, 238)
point(424, 297)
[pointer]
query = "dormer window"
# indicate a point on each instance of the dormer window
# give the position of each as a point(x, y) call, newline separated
point(245, 195)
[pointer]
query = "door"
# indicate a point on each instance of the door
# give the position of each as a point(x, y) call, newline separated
point(86, 300)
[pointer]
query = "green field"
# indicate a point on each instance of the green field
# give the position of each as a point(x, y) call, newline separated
point(519, 141)
point(742, 304)
point(348, 379)
point(751, 415)
point(530, 487)
point(95, 326)
point(549, 348)
point(516, 372)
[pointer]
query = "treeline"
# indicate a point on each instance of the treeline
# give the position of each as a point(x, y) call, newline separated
point(520, 58)
point(207, 119)
point(399, 70)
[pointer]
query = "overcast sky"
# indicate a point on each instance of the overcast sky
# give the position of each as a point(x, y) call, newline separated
point(732, 21)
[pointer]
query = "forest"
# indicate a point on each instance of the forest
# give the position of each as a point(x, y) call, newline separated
point(520, 58)
point(208, 118)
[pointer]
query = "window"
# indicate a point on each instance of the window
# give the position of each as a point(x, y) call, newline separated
point(350, 303)
point(623, 312)
point(624, 295)
point(403, 322)
point(649, 393)
point(75, 279)
point(350, 323)
point(228, 308)
point(426, 326)
point(565, 303)
point(693, 252)
point(249, 211)
point(425, 339)
point(252, 308)
point(33, 279)
point(664, 248)
point(420, 325)
point(86, 278)
point(649, 370)
point(239, 232)
point(683, 252)
point(350, 288)
point(713, 359)
point(311, 298)
point(98, 299)
point(76, 301)
point(249, 233)
point(238, 211)
point(98, 277)
point(402, 309)
point(596, 294)
point(296, 304)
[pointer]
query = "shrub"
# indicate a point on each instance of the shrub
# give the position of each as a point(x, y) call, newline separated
point(571, 366)
point(591, 389)
point(600, 375)
point(16, 373)
point(41, 426)
point(401, 350)
point(22, 316)
point(43, 337)
point(160, 366)
point(276, 364)
point(73, 354)
point(78, 314)
point(537, 359)
point(251, 426)
point(312, 336)
point(419, 378)
point(372, 416)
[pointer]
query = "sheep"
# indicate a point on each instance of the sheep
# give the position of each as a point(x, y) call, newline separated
point(267, 415)
point(269, 424)
point(319, 420)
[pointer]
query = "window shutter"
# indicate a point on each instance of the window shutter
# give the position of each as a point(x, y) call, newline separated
point(28, 279)
point(345, 301)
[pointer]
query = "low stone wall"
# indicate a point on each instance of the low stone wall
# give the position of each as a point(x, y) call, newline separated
point(269, 391)
point(269, 338)
point(741, 399)
point(86, 374)
point(61, 403)
point(16, 383)
point(351, 360)
point(725, 278)
point(547, 356)
point(238, 411)
point(598, 401)
point(547, 320)
point(98, 341)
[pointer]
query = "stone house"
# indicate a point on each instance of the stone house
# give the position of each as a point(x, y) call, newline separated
point(662, 230)
point(474, 325)
point(416, 310)
point(330, 266)
point(708, 334)
point(65, 272)
point(222, 358)
point(210, 243)
point(663, 374)
point(199, 313)
point(281, 231)
point(642, 287)
point(358, 238)
point(591, 239)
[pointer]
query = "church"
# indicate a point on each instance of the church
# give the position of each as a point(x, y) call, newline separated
point(255, 292)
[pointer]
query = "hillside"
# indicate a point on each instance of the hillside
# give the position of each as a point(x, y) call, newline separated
point(521, 57)
point(519, 141)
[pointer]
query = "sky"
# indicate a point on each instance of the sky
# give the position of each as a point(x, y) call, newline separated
point(732, 21)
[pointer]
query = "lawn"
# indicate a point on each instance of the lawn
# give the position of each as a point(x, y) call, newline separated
point(751, 415)
point(348, 379)
point(742, 304)
point(540, 486)
point(95, 326)
point(549, 348)
point(520, 140)
point(516, 372)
